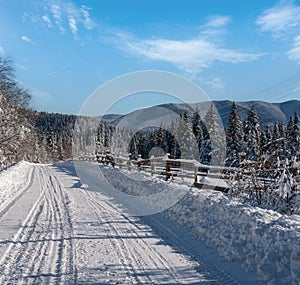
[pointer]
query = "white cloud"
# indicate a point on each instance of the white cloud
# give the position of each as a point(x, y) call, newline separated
point(294, 53)
point(20, 66)
point(218, 21)
point(296, 90)
point(56, 13)
point(63, 15)
point(190, 55)
point(87, 21)
point(72, 24)
point(280, 19)
point(40, 99)
point(1, 51)
point(283, 21)
point(216, 84)
point(27, 39)
point(215, 27)
point(47, 20)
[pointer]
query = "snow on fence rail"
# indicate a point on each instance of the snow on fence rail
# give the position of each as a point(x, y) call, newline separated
point(268, 185)
point(257, 173)
point(170, 168)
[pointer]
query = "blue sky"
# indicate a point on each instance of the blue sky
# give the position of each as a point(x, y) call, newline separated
point(238, 50)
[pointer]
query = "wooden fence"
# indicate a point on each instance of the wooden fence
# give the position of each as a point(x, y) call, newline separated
point(166, 167)
point(192, 169)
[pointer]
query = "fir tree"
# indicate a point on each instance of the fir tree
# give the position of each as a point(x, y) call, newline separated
point(173, 143)
point(185, 136)
point(277, 146)
point(197, 128)
point(294, 136)
point(235, 137)
point(266, 142)
point(214, 148)
point(252, 136)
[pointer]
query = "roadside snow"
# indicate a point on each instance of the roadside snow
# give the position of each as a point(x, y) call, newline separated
point(13, 180)
point(263, 240)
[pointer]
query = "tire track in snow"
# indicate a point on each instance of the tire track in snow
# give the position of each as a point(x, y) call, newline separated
point(9, 264)
point(142, 245)
point(146, 247)
point(42, 251)
point(212, 272)
point(135, 246)
point(67, 256)
point(119, 248)
point(38, 253)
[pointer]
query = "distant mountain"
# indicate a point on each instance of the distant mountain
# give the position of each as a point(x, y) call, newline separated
point(109, 117)
point(268, 113)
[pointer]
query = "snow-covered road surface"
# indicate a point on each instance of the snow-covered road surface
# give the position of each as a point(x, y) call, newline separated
point(37, 240)
point(58, 229)
point(54, 231)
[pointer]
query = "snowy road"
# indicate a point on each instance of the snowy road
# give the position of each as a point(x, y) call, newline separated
point(37, 244)
point(54, 231)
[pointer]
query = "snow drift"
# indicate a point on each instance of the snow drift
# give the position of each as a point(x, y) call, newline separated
point(13, 180)
point(263, 240)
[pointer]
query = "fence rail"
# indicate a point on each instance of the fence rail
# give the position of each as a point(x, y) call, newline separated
point(166, 167)
point(192, 169)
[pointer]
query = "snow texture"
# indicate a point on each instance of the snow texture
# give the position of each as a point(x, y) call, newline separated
point(263, 240)
point(13, 180)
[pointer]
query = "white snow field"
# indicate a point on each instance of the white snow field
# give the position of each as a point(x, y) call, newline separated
point(58, 229)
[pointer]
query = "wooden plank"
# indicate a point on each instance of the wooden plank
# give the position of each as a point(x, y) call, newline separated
point(210, 187)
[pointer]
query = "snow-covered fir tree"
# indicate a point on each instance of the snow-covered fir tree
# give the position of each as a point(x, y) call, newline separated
point(266, 142)
point(173, 143)
point(197, 128)
point(214, 141)
point(186, 138)
point(294, 136)
point(252, 136)
point(235, 136)
point(277, 147)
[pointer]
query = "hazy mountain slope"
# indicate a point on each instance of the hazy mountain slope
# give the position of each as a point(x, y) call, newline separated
point(268, 113)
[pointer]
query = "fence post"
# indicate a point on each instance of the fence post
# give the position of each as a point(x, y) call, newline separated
point(152, 165)
point(129, 162)
point(138, 164)
point(168, 167)
point(120, 160)
point(195, 174)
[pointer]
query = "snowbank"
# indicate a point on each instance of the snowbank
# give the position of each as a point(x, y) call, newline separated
point(13, 180)
point(263, 240)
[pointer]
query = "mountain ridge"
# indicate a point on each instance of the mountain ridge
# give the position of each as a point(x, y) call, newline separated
point(268, 113)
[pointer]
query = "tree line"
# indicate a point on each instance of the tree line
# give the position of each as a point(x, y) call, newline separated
point(15, 126)
point(241, 141)
point(26, 134)
point(43, 137)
